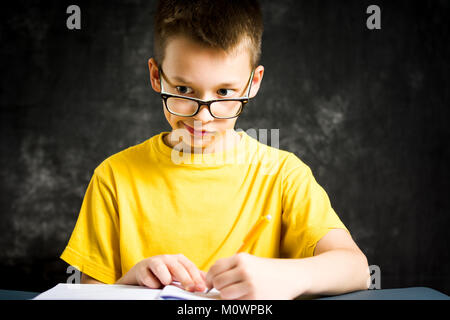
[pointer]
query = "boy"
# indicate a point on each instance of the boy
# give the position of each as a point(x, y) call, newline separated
point(151, 218)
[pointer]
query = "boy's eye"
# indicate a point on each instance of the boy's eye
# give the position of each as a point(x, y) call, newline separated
point(183, 89)
point(223, 92)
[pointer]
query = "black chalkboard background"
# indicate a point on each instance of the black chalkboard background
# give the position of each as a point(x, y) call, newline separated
point(367, 110)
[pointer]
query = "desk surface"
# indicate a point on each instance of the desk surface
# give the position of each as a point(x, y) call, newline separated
point(414, 293)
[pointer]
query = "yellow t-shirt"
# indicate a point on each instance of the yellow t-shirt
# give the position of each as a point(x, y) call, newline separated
point(148, 200)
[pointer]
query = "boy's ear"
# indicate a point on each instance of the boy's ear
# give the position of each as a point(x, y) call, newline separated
point(256, 83)
point(154, 75)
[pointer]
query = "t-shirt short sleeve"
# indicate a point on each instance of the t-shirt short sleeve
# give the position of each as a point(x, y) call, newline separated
point(93, 247)
point(307, 212)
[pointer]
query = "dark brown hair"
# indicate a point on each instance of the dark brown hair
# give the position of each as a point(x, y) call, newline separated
point(221, 24)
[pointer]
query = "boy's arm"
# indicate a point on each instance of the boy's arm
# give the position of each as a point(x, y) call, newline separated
point(337, 267)
point(85, 279)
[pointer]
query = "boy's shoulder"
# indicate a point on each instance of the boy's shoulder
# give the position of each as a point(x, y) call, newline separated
point(284, 159)
point(131, 155)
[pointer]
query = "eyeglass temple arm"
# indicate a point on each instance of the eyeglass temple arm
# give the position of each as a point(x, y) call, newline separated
point(250, 84)
point(160, 73)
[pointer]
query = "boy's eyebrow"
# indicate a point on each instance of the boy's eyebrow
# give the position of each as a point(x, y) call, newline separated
point(225, 84)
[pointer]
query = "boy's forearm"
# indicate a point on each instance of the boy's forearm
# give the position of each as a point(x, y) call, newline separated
point(336, 272)
point(127, 278)
point(85, 279)
point(330, 273)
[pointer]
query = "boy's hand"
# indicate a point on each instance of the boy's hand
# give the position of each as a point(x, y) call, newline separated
point(158, 271)
point(244, 276)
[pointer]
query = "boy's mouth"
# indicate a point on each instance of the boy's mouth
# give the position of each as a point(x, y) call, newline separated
point(196, 132)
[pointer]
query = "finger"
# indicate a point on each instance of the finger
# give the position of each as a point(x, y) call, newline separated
point(209, 286)
point(160, 270)
point(238, 290)
point(203, 274)
point(194, 272)
point(219, 267)
point(227, 278)
point(146, 278)
point(180, 273)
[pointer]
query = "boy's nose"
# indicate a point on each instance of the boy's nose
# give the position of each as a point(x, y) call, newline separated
point(203, 114)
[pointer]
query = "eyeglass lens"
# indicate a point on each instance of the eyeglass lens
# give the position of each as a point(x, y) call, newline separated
point(187, 107)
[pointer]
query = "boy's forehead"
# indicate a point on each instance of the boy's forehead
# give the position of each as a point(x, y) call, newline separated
point(227, 80)
point(189, 62)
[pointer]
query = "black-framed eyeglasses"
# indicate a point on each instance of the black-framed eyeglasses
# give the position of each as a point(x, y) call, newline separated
point(183, 106)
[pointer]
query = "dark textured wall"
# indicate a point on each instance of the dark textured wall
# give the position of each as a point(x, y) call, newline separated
point(368, 111)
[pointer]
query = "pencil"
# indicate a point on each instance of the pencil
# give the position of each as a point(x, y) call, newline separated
point(255, 232)
point(253, 235)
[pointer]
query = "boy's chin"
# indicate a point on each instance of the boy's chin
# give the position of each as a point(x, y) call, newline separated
point(200, 143)
point(207, 143)
point(204, 145)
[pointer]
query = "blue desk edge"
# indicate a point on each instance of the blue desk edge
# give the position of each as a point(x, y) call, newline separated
point(412, 293)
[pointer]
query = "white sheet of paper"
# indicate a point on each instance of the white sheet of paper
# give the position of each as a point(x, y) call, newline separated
point(65, 291)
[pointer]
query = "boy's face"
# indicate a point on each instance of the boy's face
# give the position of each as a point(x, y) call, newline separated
point(192, 70)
